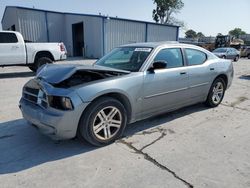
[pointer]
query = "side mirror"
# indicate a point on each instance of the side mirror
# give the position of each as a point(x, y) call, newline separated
point(158, 65)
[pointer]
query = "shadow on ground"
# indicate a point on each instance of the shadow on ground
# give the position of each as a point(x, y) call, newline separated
point(16, 75)
point(245, 77)
point(23, 147)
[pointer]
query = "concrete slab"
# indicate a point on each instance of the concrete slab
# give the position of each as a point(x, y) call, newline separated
point(192, 147)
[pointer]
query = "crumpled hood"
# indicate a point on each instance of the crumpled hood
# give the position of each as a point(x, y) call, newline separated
point(55, 74)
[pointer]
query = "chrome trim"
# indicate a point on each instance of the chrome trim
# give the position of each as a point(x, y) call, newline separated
point(165, 93)
point(198, 85)
point(28, 93)
point(177, 90)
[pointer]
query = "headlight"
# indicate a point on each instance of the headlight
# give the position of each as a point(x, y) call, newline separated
point(66, 103)
point(61, 103)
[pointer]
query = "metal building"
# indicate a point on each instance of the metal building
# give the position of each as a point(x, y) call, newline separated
point(86, 35)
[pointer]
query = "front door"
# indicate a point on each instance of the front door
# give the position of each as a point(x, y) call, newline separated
point(165, 89)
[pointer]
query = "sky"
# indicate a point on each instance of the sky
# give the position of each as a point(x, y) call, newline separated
point(207, 16)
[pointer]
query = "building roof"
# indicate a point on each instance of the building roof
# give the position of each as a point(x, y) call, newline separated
point(80, 14)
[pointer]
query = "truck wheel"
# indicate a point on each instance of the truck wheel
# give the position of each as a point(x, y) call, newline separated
point(40, 62)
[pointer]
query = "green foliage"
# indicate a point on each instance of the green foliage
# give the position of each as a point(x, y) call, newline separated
point(165, 9)
point(236, 32)
point(200, 35)
point(191, 34)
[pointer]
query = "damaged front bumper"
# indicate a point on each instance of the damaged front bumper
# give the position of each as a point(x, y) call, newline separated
point(57, 124)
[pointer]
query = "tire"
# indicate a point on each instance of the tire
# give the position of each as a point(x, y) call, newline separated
point(236, 58)
point(248, 56)
point(94, 126)
point(223, 57)
point(212, 100)
point(40, 62)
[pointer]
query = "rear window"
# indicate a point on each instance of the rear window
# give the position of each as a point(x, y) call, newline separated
point(195, 57)
point(8, 38)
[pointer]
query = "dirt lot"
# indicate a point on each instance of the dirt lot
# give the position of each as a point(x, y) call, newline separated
point(192, 147)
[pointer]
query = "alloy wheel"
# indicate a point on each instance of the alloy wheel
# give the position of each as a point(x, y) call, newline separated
point(107, 123)
point(218, 92)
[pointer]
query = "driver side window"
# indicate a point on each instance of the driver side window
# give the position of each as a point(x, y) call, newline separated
point(172, 56)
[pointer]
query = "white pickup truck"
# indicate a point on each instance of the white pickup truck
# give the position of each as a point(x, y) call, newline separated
point(15, 52)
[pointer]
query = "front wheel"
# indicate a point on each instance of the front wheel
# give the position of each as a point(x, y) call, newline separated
point(236, 58)
point(216, 93)
point(102, 122)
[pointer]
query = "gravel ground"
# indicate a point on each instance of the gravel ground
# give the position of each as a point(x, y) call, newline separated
point(192, 147)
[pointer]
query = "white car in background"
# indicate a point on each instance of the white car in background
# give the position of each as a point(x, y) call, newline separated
point(14, 51)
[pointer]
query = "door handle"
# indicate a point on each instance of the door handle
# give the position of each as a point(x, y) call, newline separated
point(183, 73)
point(212, 69)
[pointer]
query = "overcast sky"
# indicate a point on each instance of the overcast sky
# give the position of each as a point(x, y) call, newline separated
point(207, 16)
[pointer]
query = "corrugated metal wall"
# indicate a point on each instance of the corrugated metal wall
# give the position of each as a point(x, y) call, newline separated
point(92, 34)
point(101, 34)
point(56, 26)
point(158, 33)
point(32, 25)
point(118, 32)
point(10, 18)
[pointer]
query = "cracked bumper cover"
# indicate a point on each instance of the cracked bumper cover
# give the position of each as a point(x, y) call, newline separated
point(59, 125)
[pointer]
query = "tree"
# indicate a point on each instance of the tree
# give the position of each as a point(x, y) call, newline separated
point(236, 32)
point(200, 35)
point(191, 34)
point(165, 9)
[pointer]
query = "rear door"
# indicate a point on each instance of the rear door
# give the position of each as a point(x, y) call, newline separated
point(165, 89)
point(200, 72)
point(232, 53)
point(11, 51)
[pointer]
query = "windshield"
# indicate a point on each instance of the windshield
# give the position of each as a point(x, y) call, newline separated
point(220, 50)
point(125, 58)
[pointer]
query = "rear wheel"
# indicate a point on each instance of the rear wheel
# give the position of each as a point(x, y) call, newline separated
point(103, 122)
point(236, 58)
point(216, 93)
point(40, 62)
point(248, 56)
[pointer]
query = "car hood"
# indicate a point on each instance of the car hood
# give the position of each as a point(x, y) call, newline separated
point(54, 74)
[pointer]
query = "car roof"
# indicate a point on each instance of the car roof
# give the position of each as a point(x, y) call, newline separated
point(158, 44)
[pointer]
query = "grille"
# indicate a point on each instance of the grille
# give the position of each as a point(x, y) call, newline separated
point(36, 96)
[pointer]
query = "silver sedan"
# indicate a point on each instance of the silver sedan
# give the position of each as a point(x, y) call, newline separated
point(131, 83)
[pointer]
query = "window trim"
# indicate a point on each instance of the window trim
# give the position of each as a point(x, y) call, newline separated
point(186, 59)
point(182, 56)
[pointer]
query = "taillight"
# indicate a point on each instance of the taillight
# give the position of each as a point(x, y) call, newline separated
point(62, 47)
